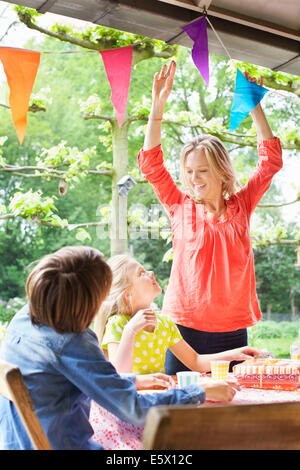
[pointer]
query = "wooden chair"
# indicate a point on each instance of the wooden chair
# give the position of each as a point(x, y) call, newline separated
point(13, 388)
point(223, 427)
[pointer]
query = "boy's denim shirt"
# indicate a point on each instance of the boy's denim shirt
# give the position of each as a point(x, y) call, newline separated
point(63, 373)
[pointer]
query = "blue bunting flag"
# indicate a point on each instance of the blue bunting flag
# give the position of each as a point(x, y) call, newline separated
point(247, 95)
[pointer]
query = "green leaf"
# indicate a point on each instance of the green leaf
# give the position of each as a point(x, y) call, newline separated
point(83, 235)
point(31, 204)
point(168, 256)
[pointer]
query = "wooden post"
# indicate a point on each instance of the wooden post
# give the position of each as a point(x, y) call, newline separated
point(118, 233)
point(269, 308)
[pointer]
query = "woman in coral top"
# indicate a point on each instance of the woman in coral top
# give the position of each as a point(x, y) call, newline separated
point(211, 294)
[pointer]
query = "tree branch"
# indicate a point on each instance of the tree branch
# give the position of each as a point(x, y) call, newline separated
point(276, 242)
point(34, 108)
point(280, 204)
point(286, 242)
point(86, 224)
point(243, 140)
point(46, 172)
point(98, 116)
point(45, 223)
point(142, 49)
point(291, 87)
point(8, 28)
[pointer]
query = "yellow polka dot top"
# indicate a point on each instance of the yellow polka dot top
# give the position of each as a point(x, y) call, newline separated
point(149, 348)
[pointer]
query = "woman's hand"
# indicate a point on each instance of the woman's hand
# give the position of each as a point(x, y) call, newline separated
point(253, 79)
point(143, 318)
point(220, 390)
point(264, 132)
point(156, 381)
point(241, 354)
point(162, 87)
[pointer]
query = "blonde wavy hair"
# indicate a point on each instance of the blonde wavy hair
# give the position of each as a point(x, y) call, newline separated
point(114, 302)
point(218, 160)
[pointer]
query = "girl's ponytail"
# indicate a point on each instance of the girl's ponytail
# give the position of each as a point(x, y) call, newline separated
point(114, 302)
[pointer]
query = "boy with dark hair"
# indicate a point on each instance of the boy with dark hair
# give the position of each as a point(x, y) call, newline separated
point(60, 358)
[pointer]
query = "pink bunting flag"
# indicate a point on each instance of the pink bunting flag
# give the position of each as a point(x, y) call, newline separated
point(118, 63)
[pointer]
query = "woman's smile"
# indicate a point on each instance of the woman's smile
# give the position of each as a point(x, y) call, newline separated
point(199, 187)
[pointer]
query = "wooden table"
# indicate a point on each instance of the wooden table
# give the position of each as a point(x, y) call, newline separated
point(115, 434)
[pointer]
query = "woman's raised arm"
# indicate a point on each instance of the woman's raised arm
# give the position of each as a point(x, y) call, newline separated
point(263, 130)
point(162, 87)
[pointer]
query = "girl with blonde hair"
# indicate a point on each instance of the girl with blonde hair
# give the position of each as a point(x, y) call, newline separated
point(136, 335)
point(135, 338)
point(211, 294)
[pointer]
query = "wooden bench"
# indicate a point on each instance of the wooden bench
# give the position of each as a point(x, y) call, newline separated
point(223, 427)
point(13, 388)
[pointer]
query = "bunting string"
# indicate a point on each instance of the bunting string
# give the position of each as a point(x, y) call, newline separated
point(89, 51)
point(229, 56)
point(21, 66)
point(219, 39)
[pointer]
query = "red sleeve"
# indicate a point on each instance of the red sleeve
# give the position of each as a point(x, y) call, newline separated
point(152, 166)
point(269, 163)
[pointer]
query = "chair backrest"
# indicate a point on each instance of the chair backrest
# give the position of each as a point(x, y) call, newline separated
point(223, 427)
point(13, 388)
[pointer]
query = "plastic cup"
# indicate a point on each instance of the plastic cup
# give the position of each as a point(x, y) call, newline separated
point(219, 370)
point(188, 378)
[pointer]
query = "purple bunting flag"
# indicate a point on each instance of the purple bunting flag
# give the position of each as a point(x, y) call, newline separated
point(198, 33)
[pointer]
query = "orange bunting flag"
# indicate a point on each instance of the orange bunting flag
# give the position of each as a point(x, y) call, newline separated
point(20, 67)
point(117, 63)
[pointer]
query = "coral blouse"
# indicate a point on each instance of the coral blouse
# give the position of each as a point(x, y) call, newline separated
point(212, 281)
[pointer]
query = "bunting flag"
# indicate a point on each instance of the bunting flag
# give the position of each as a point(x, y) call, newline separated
point(246, 96)
point(20, 67)
point(117, 63)
point(198, 33)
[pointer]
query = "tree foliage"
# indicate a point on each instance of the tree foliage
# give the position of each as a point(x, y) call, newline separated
point(58, 184)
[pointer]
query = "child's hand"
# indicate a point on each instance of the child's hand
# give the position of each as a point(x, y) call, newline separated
point(140, 320)
point(157, 381)
point(220, 390)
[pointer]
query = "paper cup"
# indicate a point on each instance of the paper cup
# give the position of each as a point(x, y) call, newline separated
point(219, 370)
point(188, 378)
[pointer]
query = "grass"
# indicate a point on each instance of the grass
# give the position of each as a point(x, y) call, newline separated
point(280, 347)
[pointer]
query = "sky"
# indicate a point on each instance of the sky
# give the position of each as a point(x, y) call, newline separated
point(288, 178)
